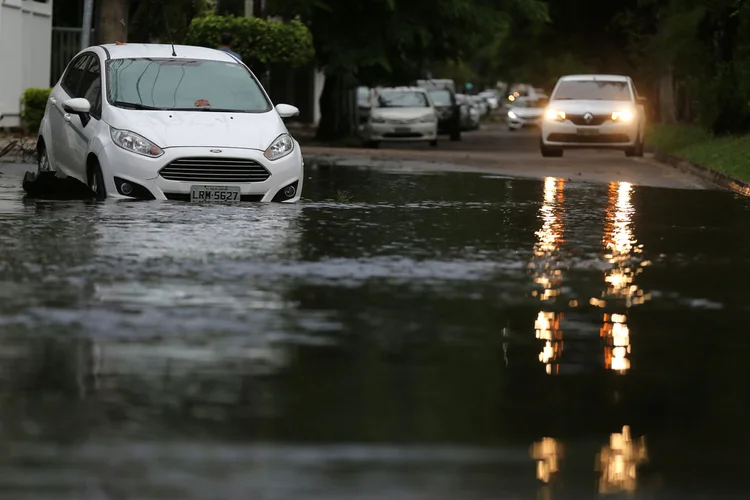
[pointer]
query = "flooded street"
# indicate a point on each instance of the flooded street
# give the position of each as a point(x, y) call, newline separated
point(393, 336)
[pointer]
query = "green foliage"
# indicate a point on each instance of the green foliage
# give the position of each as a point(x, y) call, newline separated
point(729, 154)
point(33, 104)
point(258, 41)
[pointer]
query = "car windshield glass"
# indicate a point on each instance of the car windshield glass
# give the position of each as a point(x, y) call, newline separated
point(184, 84)
point(601, 90)
point(441, 97)
point(402, 99)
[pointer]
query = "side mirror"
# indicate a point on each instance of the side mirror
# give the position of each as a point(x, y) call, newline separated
point(287, 110)
point(77, 106)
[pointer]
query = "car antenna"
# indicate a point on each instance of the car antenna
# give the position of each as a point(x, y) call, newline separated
point(169, 32)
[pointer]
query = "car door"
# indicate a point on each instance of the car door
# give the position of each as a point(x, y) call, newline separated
point(80, 130)
point(57, 143)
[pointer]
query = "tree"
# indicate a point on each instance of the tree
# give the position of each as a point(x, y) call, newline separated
point(389, 41)
point(112, 21)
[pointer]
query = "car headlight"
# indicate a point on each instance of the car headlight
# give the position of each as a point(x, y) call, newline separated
point(130, 141)
point(512, 115)
point(622, 116)
point(428, 119)
point(279, 148)
point(553, 114)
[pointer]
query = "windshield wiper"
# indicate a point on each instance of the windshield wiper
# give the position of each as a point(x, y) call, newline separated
point(208, 109)
point(134, 105)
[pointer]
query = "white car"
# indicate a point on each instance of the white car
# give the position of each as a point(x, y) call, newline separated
point(491, 98)
point(404, 114)
point(186, 123)
point(526, 113)
point(594, 111)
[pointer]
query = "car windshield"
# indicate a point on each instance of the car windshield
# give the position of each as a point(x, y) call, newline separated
point(441, 97)
point(402, 99)
point(182, 84)
point(600, 90)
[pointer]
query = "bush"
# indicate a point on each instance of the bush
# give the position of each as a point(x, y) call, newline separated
point(258, 41)
point(33, 104)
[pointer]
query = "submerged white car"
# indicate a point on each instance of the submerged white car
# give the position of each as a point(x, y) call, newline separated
point(526, 113)
point(145, 121)
point(594, 111)
point(404, 114)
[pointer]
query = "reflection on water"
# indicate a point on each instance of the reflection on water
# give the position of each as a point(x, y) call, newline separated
point(547, 273)
point(617, 463)
point(547, 453)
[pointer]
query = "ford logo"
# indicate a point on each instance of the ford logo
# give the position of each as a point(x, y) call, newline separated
point(215, 150)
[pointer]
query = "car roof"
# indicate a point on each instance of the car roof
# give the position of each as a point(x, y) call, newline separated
point(590, 78)
point(156, 50)
point(403, 89)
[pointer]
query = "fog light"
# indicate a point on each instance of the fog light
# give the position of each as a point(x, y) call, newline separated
point(126, 188)
point(289, 191)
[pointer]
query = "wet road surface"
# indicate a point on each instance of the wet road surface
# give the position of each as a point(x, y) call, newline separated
point(441, 336)
point(493, 149)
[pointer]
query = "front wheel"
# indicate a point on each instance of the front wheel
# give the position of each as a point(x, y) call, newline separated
point(456, 136)
point(96, 181)
point(434, 143)
point(549, 152)
point(637, 149)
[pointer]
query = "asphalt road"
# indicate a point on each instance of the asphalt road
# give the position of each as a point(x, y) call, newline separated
point(494, 148)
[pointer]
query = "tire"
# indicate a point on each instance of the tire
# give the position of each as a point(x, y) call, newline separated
point(636, 150)
point(434, 143)
point(372, 144)
point(42, 160)
point(96, 181)
point(456, 136)
point(549, 152)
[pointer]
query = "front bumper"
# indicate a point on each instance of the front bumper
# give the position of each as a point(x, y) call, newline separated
point(520, 122)
point(393, 131)
point(610, 135)
point(144, 171)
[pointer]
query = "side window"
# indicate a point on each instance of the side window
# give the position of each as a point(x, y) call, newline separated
point(72, 79)
point(91, 86)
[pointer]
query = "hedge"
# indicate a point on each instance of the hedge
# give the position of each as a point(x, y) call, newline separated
point(258, 41)
point(33, 104)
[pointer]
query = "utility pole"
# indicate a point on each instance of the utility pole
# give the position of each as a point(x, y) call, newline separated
point(88, 12)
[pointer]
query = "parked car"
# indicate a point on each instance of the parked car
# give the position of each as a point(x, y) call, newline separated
point(148, 121)
point(526, 114)
point(491, 97)
point(469, 112)
point(401, 114)
point(482, 105)
point(448, 109)
point(594, 111)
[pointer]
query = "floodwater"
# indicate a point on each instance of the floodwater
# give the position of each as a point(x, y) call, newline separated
point(451, 336)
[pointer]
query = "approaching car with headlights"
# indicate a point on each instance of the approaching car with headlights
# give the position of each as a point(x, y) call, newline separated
point(403, 114)
point(526, 113)
point(594, 111)
point(148, 121)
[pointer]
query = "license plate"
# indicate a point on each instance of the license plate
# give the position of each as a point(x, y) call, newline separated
point(215, 194)
point(588, 131)
point(403, 130)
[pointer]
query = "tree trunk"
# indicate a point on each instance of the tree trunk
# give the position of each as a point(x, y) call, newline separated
point(112, 21)
point(336, 116)
point(667, 109)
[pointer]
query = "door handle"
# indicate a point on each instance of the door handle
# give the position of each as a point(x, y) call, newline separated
point(53, 100)
point(66, 116)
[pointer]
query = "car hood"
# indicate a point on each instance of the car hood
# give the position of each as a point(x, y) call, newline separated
point(169, 129)
point(528, 112)
point(590, 106)
point(401, 113)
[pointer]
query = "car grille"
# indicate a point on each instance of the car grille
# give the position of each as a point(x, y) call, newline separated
point(596, 120)
point(588, 139)
point(234, 170)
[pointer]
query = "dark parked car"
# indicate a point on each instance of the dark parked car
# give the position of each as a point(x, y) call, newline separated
point(448, 108)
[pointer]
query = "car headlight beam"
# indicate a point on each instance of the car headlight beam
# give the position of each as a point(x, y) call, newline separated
point(512, 115)
point(553, 114)
point(622, 116)
point(135, 143)
point(280, 147)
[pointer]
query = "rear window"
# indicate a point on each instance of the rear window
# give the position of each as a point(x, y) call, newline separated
point(441, 97)
point(184, 84)
point(600, 90)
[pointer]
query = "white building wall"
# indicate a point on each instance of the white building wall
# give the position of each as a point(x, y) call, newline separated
point(25, 50)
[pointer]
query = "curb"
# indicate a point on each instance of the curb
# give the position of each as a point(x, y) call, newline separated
point(720, 179)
